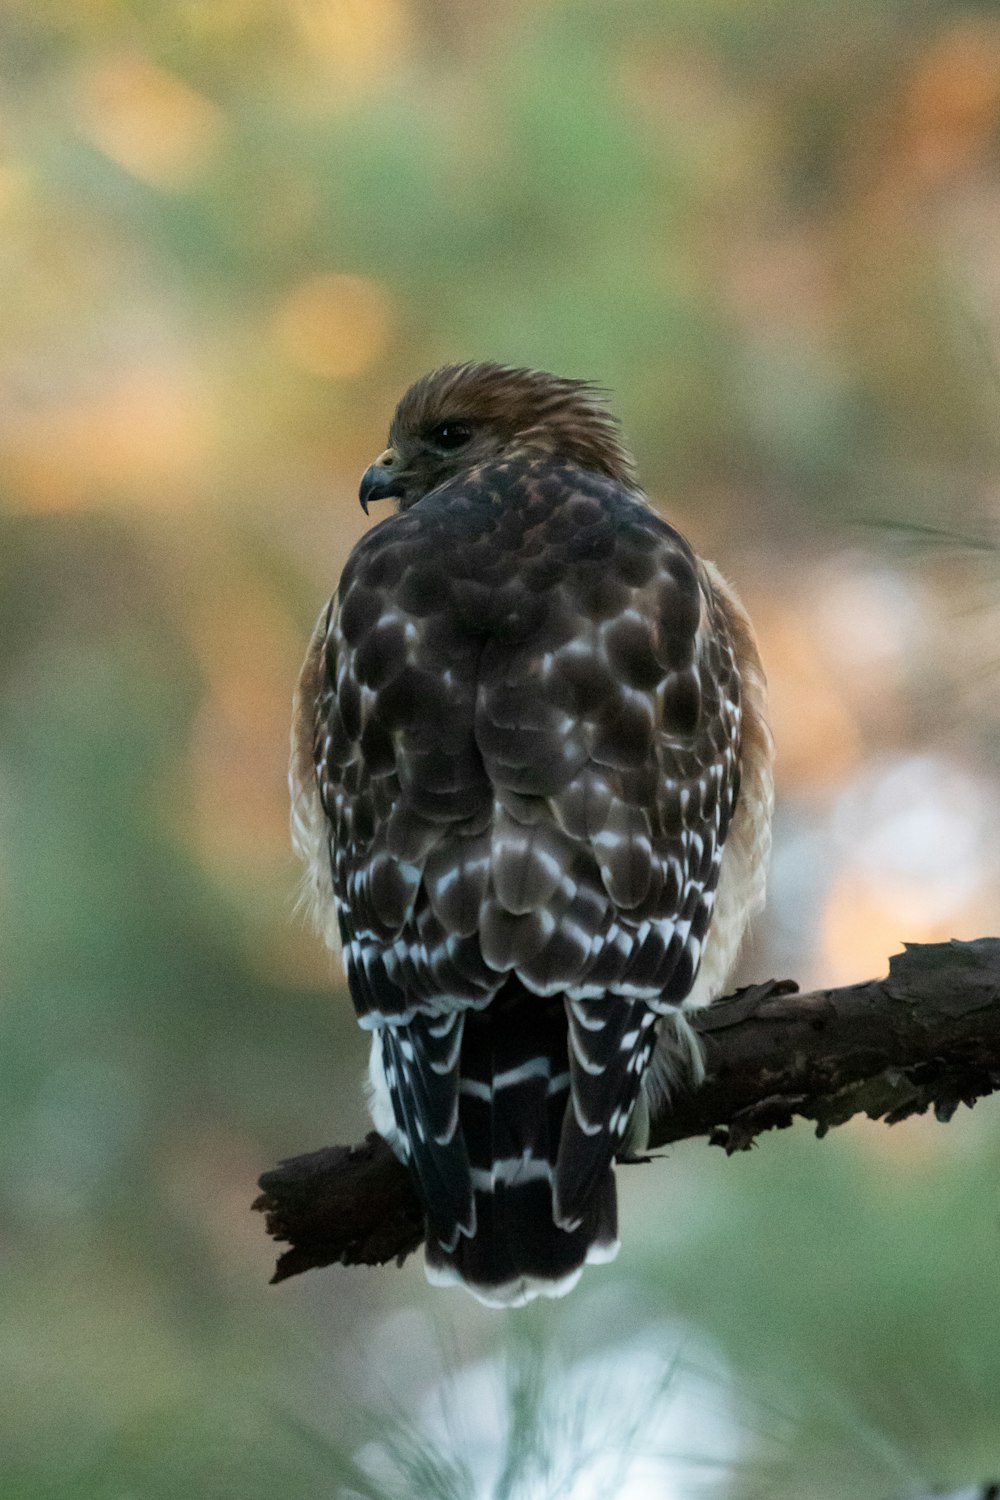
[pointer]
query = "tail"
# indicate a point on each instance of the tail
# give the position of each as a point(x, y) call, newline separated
point(514, 1094)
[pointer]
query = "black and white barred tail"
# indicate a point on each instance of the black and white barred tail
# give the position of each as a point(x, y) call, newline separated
point(510, 1118)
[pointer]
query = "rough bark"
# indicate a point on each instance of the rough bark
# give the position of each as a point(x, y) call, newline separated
point(925, 1037)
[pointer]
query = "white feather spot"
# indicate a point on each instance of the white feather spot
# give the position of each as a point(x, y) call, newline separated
point(588, 1021)
point(535, 1067)
point(512, 1171)
point(593, 1068)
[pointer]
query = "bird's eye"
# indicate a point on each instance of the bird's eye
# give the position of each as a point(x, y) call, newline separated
point(450, 435)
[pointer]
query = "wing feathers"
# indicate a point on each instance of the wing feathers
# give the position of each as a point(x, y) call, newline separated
point(421, 1070)
point(527, 863)
point(455, 879)
point(611, 1042)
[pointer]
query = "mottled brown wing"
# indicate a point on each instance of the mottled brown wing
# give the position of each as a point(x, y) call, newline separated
point(400, 780)
point(611, 740)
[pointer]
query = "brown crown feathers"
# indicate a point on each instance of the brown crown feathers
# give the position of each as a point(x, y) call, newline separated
point(460, 416)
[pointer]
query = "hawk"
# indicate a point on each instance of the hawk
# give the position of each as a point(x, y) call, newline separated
point(531, 782)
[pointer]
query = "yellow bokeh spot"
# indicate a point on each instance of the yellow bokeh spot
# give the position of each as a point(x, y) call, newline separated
point(148, 121)
point(952, 104)
point(862, 925)
point(334, 325)
point(355, 41)
point(15, 190)
point(812, 720)
point(143, 437)
point(233, 807)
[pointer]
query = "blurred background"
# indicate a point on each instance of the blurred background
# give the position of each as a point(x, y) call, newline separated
point(231, 232)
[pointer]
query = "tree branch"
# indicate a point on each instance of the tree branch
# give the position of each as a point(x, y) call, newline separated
point(927, 1036)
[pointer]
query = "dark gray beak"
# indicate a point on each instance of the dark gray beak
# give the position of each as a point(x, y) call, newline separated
point(381, 480)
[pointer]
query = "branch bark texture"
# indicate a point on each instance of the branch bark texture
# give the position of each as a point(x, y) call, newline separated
point(925, 1037)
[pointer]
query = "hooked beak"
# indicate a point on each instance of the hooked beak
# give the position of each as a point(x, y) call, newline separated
point(381, 480)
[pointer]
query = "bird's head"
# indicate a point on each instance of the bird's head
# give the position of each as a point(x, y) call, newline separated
point(461, 416)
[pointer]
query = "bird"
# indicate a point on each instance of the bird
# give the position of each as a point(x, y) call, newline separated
point(531, 783)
